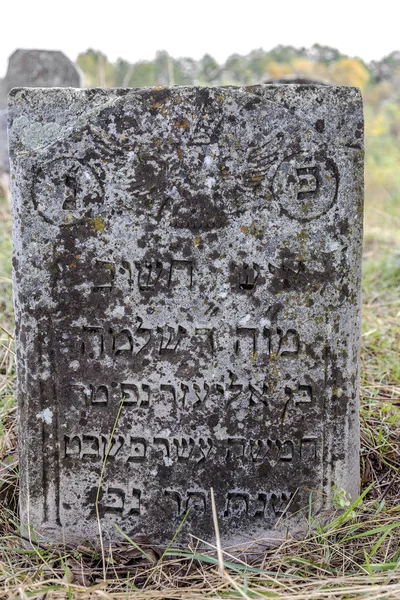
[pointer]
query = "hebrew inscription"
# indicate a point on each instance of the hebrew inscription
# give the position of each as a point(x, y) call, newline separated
point(185, 448)
point(187, 278)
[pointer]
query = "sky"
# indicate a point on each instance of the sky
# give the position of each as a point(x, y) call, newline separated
point(135, 30)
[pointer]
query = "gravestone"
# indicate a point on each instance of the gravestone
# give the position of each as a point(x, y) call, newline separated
point(39, 68)
point(32, 68)
point(187, 294)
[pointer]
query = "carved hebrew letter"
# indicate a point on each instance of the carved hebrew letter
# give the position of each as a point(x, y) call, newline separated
point(136, 394)
point(267, 336)
point(126, 268)
point(185, 391)
point(233, 390)
point(169, 389)
point(164, 443)
point(90, 446)
point(306, 185)
point(98, 395)
point(105, 273)
point(237, 504)
point(258, 451)
point(257, 395)
point(148, 275)
point(196, 500)
point(219, 389)
point(138, 449)
point(273, 311)
point(66, 184)
point(205, 446)
point(262, 502)
point(133, 502)
point(123, 343)
point(286, 450)
point(208, 334)
point(144, 396)
point(304, 395)
point(248, 349)
point(72, 446)
point(175, 497)
point(170, 339)
point(273, 450)
point(145, 332)
point(285, 274)
point(308, 182)
point(308, 449)
point(279, 502)
point(114, 501)
point(71, 189)
point(184, 448)
point(239, 444)
point(211, 310)
point(289, 343)
point(248, 276)
point(130, 393)
point(92, 341)
point(301, 394)
point(201, 397)
point(289, 397)
point(178, 267)
point(113, 446)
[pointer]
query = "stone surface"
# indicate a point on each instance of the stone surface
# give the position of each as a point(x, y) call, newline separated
point(33, 68)
point(187, 294)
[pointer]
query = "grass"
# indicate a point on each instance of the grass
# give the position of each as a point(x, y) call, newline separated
point(355, 555)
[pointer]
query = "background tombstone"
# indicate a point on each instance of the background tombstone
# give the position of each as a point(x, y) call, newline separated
point(187, 275)
point(32, 68)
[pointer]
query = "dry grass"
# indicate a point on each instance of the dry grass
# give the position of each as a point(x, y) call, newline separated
point(355, 555)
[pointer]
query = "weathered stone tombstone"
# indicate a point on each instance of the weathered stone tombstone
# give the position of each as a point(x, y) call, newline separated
point(187, 294)
point(32, 68)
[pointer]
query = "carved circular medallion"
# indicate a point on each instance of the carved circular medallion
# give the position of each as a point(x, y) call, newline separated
point(64, 190)
point(305, 185)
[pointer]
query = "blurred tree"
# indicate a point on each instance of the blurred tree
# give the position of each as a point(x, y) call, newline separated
point(164, 73)
point(302, 66)
point(209, 69)
point(237, 71)
point(122, 72)
point(97, 70)
point(323, 54)
point(376, 95)
point(142, 74)
point(284, 54)
point(350, 71)
point(278, 70)
point(385, 68)
point(257, 62)
point(188, 71)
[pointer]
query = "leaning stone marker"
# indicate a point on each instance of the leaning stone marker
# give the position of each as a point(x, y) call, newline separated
point(32, 68)
point(187, 293)
point(38, 68)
